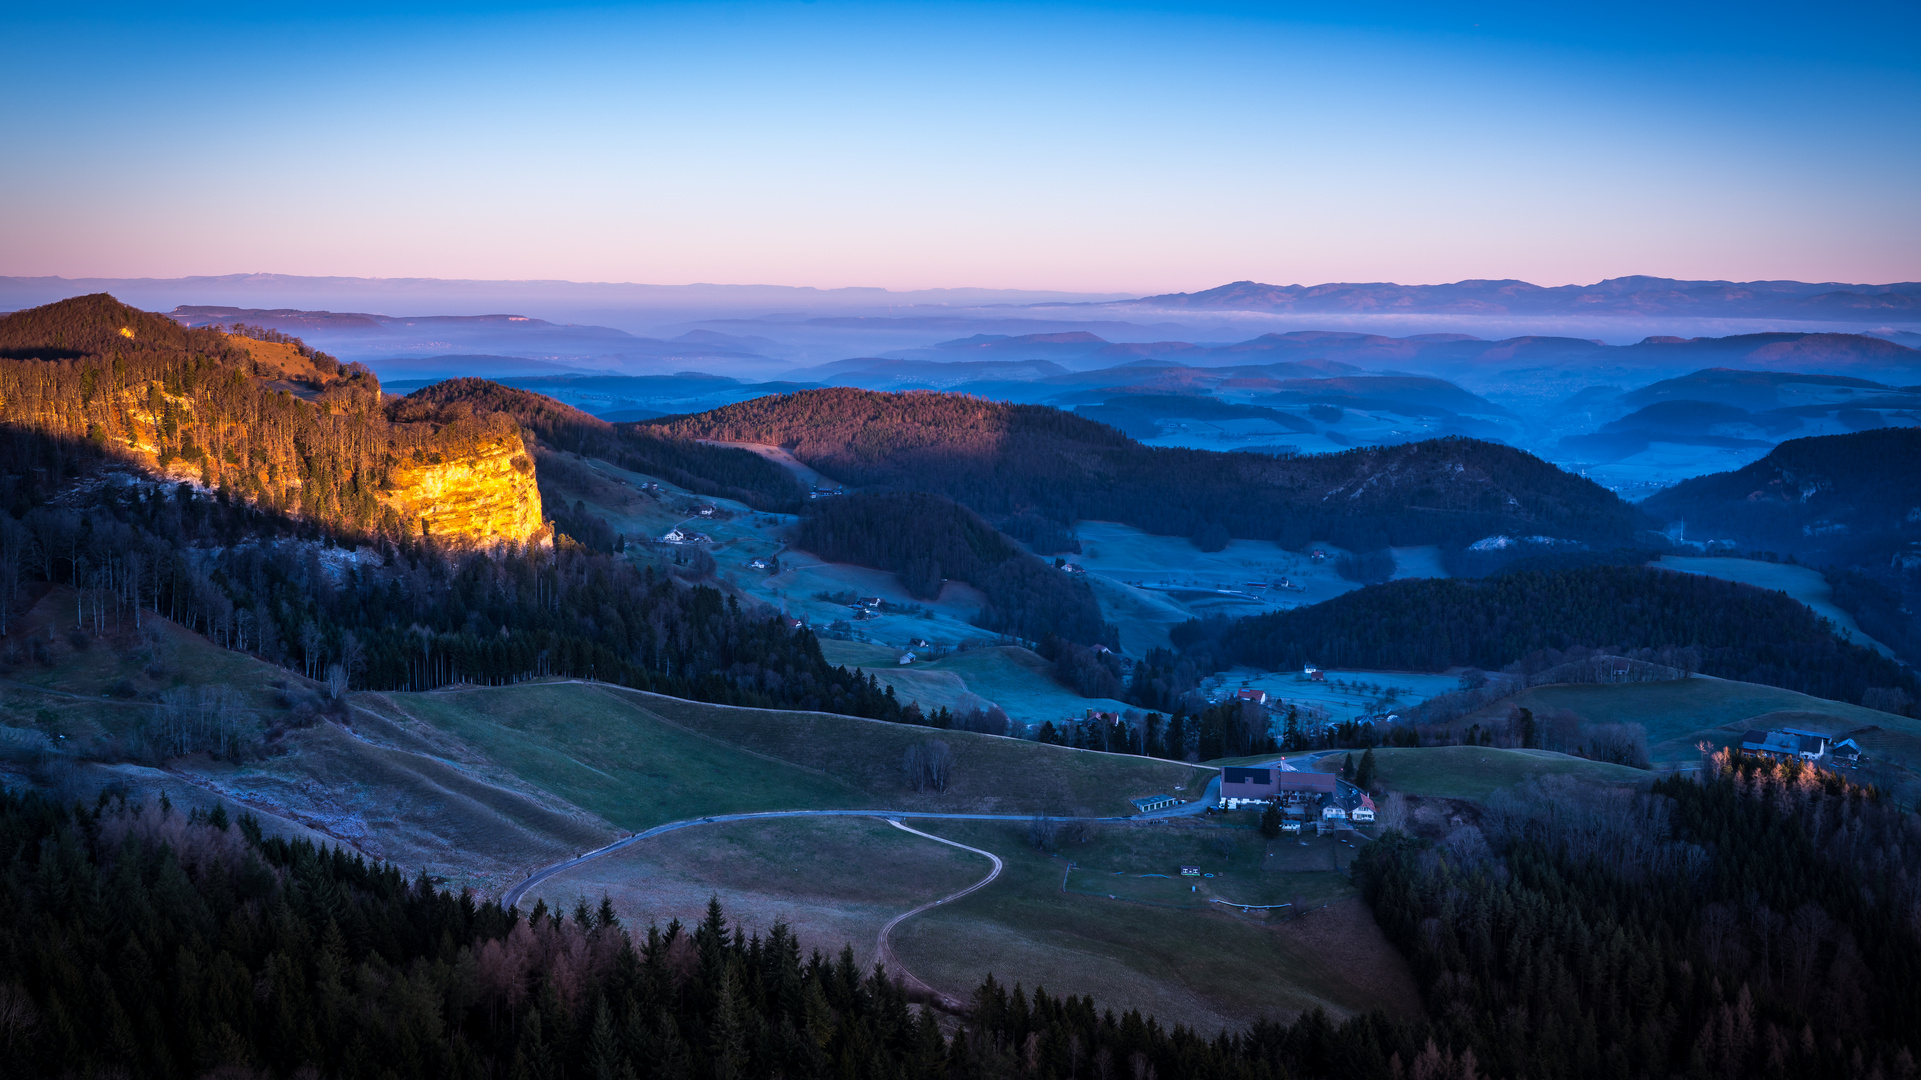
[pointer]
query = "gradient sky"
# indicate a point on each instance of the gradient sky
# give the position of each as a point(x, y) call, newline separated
point(1103, 147)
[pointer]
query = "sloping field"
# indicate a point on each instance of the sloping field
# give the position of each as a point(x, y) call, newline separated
point(1207, 966)
point(1475, 772)
point(1680, 714)
point(393, 789)
point(1804, 584)
point(835, 881)
point(601, 752)
point(1016, 679)
point(991, 774)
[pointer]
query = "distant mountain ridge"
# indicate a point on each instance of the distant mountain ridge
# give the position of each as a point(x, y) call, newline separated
point(1635, 295)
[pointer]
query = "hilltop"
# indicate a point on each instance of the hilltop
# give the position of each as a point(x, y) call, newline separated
point(260, 418)
point(1005, 459)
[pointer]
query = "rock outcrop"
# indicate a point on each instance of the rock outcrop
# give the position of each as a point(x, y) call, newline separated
point(486, 495)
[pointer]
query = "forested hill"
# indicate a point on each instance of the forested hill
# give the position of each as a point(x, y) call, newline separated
point(687, 463)
point(90, 380)
point(1826, 497)
point(1735, 631)
point(925, 539)
point(1003, 459)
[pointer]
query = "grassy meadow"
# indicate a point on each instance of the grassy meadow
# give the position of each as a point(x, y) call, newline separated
point(1152, 946)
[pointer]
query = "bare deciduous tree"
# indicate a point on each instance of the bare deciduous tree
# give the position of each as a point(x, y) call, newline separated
point(928, 766)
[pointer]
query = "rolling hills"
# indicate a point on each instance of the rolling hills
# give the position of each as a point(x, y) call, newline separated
point(1004, 459)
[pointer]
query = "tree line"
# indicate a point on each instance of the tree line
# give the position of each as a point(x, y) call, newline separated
point(1003, 459)
point(715, 471)
point(152, 942)
point(926, 540)
point(1757, 922)
point(412, 615)
point(90, 380)
point(1737, 631)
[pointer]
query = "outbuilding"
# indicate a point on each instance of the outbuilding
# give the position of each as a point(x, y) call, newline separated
point(1149, 803)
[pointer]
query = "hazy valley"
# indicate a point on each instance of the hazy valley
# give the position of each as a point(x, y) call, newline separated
point(574, 638)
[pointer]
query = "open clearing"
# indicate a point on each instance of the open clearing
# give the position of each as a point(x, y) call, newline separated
point(1800, 582)
point(1475, 772)
point(835, 881)
point(1014, 678)
point(1684, 712)
point(1206, 966)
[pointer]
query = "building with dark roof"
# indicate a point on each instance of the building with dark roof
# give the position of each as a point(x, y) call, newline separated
point(1786, 743)
point(1242, 785)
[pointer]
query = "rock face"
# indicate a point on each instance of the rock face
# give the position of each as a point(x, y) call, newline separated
point(482, 497)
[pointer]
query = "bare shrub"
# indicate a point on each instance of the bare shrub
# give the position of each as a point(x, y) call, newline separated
point(1043, 832)
point(336, 681)
point(1622, 744)
point(928, 766)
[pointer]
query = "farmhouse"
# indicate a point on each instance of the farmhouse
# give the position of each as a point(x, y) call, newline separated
point(1786, 743)
point(905, 659)
point(1149, 803)
point(1258, 697)
point(673, 536)
point(1845, 754)
point(1243, 786)
point(760, 564)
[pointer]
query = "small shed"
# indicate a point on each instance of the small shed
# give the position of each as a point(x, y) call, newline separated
point(905, 659)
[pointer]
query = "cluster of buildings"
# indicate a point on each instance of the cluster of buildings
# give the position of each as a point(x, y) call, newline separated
point(1300, 795)
point(1783, 744)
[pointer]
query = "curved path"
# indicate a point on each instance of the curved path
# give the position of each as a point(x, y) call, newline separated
point(515, 894)
point(884, 949)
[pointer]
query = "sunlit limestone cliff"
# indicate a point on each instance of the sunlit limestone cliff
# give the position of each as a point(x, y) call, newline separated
point(485, 494)
point(254, 417)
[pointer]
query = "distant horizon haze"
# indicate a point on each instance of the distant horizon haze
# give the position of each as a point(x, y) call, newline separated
point(1090, 148)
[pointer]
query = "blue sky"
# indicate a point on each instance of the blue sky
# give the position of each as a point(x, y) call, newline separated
point(1099, 147)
